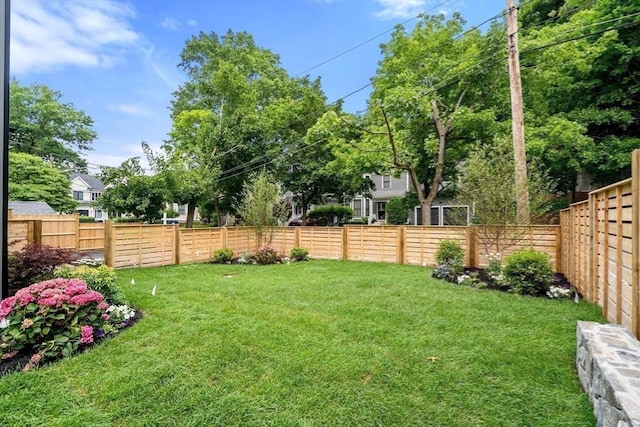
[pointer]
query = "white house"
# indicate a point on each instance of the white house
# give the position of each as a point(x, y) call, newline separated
point(85, 189)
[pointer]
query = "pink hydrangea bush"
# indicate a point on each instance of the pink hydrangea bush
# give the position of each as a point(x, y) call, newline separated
point(51, 319)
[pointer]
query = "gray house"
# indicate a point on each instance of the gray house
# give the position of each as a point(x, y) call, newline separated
point(443, 211)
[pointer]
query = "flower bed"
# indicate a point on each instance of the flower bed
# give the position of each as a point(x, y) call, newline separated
point(53, 319)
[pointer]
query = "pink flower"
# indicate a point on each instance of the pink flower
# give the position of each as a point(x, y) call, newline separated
point(86, 334)
point(52, 299)
point(75, 288)
point(24, 298)
point(35, 359)
point(7, 305)
point(105, 317)
point(87, 297)
point(103, 306)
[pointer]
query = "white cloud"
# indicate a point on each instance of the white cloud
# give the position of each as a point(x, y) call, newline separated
point(192, 22)
point(170, 24)
point(47, 35)
point(393, 9)
point(136, 109)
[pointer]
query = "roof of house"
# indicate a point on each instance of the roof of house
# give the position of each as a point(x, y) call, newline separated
point(93, 182)
point(31, 208)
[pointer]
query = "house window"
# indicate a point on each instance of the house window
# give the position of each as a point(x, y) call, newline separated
point(357, 208)
point(382, 210)
point(182, 209)
point(367, 208)
point(78, 195)
point(94, 196)
point(435, 215)
point(386, 181)
point(98, 214)
point(83, 212)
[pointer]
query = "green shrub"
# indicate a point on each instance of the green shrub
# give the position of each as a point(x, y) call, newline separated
point(450, 258)
point(299, 254)
point(529, 272)
point(171, 213)
point(397, 212)
point(101, 279)
point(125, 220)
point(223, 256)
point(327, 214)
point(450, 251)
point(266, 255)
point(86, 218)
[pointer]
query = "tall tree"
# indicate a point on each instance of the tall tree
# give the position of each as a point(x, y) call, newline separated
point(33, 179)
point(432, 98)
point(581, 72)
point(47, 127)
point(315, 174)
point(239, 110)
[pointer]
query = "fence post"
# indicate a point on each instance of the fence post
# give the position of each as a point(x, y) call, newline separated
point(471, 245)
point(592, 277)
point(400, 242)
point(176, 244)
point(559, 267)
point(77, 231)
point(296, 238)
point(635, 243)
point(345, 242)
point(108, 243)
point(37, 231)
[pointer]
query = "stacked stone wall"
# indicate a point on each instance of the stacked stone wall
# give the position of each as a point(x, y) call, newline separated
point(608, 362)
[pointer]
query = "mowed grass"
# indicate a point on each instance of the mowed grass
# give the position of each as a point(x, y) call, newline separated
point(320, 343)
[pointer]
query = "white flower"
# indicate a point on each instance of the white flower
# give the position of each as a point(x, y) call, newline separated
point(4, 323)
point(462, 278)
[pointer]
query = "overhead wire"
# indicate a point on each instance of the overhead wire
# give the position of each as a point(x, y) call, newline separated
point(452, 81)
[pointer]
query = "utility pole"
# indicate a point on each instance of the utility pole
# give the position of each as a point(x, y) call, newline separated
point(517, 118)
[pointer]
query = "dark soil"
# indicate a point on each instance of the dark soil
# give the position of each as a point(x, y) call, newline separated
point(17, 362)
point(560, 280)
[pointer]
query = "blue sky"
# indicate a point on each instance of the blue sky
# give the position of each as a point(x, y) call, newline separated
point(117, 60)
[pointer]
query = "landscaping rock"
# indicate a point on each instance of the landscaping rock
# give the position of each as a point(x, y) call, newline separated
point(608, 362)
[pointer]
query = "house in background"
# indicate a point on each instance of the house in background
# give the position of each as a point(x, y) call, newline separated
point(443, 211)
point(85, 189)
point(31, 208)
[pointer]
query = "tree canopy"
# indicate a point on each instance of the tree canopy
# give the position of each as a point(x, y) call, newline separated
point(129, 191)
point(33, 179)
point(239, 110)
point(46, 127)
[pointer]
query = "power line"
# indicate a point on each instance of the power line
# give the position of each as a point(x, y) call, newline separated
point(369, 40)
point(442, 85)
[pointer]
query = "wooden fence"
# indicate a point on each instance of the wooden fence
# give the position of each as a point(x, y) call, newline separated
point(600, 249)
point(54, 230)
point(156, 245)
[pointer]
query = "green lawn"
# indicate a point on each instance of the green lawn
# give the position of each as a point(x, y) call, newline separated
point(320, 343)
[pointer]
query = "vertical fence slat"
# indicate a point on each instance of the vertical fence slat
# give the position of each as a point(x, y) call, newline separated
point(635, 243)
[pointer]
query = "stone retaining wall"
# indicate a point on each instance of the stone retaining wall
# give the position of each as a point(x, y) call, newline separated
point(608, 362)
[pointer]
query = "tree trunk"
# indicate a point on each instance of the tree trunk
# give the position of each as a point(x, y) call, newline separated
point(191, 210)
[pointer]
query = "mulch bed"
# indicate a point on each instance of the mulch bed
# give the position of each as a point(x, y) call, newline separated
point(561, 280)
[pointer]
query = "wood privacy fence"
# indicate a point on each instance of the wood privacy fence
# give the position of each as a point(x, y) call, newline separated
point(136, 245)
point(54, 230)
point(600, 248)
point(62, 231)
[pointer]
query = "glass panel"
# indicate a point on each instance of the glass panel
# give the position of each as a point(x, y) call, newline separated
point(435, 215)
